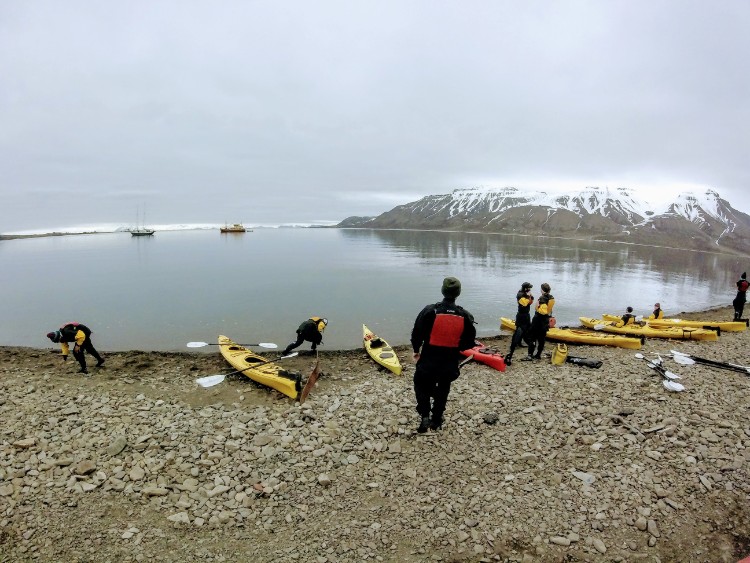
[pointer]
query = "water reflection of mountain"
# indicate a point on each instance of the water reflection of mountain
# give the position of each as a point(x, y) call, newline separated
point(569, 255)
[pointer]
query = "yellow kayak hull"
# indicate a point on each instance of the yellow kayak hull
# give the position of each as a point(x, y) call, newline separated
point(677, 333)
point(729, 326)
point(579, 336)
point(269, 374)
point(380, 351)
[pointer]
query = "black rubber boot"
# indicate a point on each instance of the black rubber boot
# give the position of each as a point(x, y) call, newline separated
point(508, 360)
point(424, 425)
point(436, 423)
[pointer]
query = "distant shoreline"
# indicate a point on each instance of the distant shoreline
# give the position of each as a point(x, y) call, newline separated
point(40, 235)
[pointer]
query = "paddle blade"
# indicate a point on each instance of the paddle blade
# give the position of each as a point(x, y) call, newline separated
point(196, 344)
point(310, 382)
point(270, 345)
point(210, 380)
point(673, 386)
point(639, 355)
point(683, 360)
point(670, 375)
point(466, 361)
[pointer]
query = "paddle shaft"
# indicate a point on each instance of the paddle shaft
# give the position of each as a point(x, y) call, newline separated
point(722, 365)
point(270, 345)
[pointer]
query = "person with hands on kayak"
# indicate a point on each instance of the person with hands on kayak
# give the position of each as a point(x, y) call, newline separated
point(441, 331)
point(310, 330)
point(628, 317)
point(524, 298)
point(81, 335)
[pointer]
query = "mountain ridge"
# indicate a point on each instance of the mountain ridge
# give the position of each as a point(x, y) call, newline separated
point(702, 221)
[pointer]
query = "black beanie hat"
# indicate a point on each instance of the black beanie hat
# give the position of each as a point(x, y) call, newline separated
point(744, 275)
point(451, 287)
point(54, 336)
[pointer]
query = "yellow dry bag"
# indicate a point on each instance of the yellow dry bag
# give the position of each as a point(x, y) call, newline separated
point(559, 354)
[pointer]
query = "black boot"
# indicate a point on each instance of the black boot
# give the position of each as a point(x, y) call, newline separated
point(508, 359)
point(424, 425)
point(436, 423)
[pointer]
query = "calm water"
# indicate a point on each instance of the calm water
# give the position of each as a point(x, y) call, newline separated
point(157, 293)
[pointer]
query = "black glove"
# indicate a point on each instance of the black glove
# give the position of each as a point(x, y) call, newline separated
point(65, 358)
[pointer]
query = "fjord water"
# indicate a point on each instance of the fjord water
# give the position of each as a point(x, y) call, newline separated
point(157, 293)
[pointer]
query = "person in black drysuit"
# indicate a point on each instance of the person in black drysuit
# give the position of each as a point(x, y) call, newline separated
point(739, 301)
point(628, 317)
point(523, 320)
point(81, 335)
point(310, 330)
point(441, 331)
point(540, 323)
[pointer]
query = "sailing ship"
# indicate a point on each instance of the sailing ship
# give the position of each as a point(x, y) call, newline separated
point(140, 230)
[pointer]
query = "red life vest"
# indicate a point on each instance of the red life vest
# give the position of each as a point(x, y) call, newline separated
point(447, 330)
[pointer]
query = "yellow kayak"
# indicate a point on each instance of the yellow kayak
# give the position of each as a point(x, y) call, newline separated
point(268, 374)
point(680, 333)
point(380, 351)
point(729, 326)
point(579, 336)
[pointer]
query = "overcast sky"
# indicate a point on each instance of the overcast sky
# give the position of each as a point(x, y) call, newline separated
point(300, 111)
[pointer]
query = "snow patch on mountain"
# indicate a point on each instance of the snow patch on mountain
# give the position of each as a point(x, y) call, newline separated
point(606, 202)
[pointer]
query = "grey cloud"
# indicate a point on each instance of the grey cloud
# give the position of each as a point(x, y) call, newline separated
point(310, 108)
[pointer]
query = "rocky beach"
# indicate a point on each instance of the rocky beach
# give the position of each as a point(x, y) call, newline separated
point(538, 463)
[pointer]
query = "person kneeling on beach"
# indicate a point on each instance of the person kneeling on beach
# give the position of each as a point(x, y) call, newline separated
point(310, 330)
point(81, 335)
point(440, 332)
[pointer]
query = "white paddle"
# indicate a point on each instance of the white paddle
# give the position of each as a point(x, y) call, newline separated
point(668, 375)
point(211, 380)
point(270, 345)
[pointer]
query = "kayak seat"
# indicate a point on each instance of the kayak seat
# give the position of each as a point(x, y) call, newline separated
point(386, 354)
point(376, 343)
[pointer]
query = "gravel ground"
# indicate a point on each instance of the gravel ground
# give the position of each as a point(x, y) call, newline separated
point(539, 463)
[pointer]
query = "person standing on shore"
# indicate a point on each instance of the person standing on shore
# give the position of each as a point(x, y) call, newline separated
point(524, 298)
point(440, 332)
point(739, 300)
point(657, 314)
point(540, 323)
point(81, 335)
point(310, 330)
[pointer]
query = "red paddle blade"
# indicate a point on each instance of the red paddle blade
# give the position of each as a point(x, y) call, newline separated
point(310, 382)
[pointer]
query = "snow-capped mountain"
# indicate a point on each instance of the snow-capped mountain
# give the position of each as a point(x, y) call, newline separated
point(699, 221)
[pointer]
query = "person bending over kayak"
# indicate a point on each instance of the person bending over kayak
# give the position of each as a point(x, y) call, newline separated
point(628, 318)
point(540, 323)
point(739, 301)
point(441, 331)
point(310, 330)
point(524, 298)
point(657, 314)
point(81, 335)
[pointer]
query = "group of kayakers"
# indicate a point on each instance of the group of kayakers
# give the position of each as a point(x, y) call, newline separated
point(441, 331)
